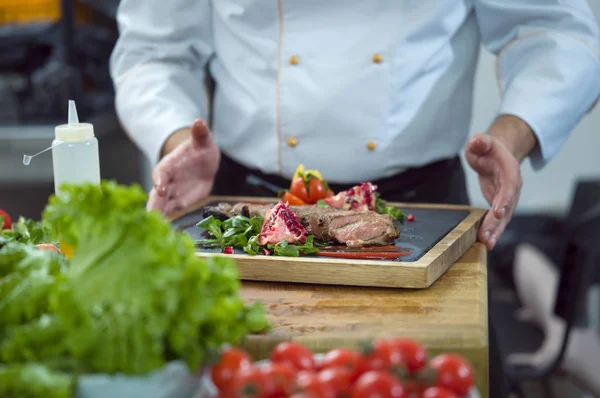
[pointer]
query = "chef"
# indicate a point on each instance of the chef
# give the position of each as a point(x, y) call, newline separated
point(361, 90)
point(377, 91)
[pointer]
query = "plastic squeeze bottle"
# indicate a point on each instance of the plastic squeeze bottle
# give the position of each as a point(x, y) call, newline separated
point(75, 155)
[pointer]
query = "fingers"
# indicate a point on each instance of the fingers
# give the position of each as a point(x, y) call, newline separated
point(480, 144)
point(476, 151)
point(503, 207)
point(156, 201)
point(490, 230)
point(160, 179)
point(200, 134)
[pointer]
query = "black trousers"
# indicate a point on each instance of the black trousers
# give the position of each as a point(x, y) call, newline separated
point(440, 182)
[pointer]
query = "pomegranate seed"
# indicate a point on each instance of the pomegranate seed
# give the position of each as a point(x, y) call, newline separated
point(303, 240)
point(266, 252)
point(410, 218)
point(350, 192)
point(228, 250)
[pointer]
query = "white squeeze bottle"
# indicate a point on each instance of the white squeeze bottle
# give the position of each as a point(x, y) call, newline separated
point(75, 152)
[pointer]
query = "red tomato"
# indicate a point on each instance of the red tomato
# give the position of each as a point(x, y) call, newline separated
point(438, 392)
point(298, 356)
point(378, 384)
point(251, 382)
point(453, 372)
point(298, 189)
point(232, 360)
point(380, 356)
point(414, 389)
point(316, 190)
point(341, 357)
point(414, 354)
point(339, 379)
point(7, 222)
point(282, 375)
point(308, 382)
point(292, 199)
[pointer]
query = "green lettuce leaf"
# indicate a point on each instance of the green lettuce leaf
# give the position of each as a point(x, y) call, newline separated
point(34, 380)
point(133, 296)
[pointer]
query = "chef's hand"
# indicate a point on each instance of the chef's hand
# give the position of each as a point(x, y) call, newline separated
point(187, 171)
point(496, 158)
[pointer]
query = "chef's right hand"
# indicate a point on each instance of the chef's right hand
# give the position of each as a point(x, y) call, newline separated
point(186, 174)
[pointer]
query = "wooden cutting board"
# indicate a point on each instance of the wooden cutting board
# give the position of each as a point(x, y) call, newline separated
point(438, 236)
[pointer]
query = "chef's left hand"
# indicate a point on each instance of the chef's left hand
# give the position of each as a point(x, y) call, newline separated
point(496, 158)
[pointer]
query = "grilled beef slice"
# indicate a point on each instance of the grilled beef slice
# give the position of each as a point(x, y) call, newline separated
point(352, 228)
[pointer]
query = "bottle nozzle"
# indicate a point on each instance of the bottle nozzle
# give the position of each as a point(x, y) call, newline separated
point(73, 118)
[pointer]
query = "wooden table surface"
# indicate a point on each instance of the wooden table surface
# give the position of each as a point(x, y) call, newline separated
point(449, 316)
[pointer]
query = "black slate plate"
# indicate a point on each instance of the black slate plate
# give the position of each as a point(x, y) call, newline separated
point(428, 228)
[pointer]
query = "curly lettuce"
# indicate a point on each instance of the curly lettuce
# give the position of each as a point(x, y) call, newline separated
point(133, 296)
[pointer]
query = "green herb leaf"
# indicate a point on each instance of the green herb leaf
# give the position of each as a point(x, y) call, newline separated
point(322, 203)
point(381, 207)
point(284, 249)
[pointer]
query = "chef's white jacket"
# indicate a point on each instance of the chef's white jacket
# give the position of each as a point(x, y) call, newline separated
point(359, 89)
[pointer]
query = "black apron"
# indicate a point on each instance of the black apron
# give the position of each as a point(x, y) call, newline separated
point(440, 182)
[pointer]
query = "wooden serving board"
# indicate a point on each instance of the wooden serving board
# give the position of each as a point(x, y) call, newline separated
point(438, 236)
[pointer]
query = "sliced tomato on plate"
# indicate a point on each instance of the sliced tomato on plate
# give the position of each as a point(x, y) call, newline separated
point(316, 189)
point(298, 189)
point(292, 199)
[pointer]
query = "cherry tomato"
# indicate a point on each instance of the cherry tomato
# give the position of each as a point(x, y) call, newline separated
point(7, 222)
point(414, 389)
point(298, 189)
point(340, 357)
point(316, 190)
point(292, 199)
point(251, 382)
point(339, 379)
point(438, 392)
point(282, 375)
point(453, 372)
point(378, 384)
point(308, 382)
point(414, 354)
point(380, 355)
point(232, 360)
point(298, 356)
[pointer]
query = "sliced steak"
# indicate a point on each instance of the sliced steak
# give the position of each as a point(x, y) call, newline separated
point(350, 227)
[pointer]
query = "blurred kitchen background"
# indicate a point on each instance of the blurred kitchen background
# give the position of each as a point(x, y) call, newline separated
point(55, 50)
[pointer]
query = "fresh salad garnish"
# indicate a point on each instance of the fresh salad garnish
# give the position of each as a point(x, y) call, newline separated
point(245, 233)
point(233, 232)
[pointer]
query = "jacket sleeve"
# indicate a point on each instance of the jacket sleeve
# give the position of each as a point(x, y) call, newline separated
point(158, 68)
point(548, 65)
